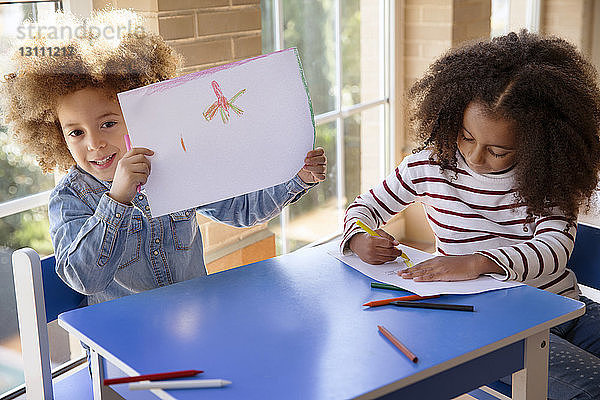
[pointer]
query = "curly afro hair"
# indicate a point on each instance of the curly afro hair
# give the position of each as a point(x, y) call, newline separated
point(111, 50)
point(545, 87)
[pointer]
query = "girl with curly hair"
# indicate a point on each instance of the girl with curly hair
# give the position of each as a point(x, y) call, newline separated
point(508, 153)
point(62, 106)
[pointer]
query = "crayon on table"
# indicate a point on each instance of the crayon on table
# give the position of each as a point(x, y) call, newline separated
point(438, 306)
point(373, 233)
point(377, 285)
point(180, 384)
point(398, 344)
point(384, 302)
point(149, 377)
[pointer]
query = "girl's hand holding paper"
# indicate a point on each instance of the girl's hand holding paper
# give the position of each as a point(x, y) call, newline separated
point(132, 170)
point(315, 166)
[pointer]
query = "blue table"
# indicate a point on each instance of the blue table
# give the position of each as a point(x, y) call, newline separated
point(293, 327)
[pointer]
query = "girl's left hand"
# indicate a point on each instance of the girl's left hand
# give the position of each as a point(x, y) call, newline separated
point(315, 166)
point(451, 268)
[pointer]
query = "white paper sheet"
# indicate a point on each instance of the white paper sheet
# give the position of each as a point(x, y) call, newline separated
point(203, 155)
point(387, 273)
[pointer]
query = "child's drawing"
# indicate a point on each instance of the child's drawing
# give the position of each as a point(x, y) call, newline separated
point(222, 104)
point(182, 144)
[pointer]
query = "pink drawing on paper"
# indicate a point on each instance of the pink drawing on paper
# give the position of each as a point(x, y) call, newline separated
point(222, 104)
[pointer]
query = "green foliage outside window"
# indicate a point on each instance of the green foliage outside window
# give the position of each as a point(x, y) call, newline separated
point(19, 177)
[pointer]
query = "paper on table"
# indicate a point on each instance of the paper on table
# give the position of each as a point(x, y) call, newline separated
point(222, 132)
point(387, 273)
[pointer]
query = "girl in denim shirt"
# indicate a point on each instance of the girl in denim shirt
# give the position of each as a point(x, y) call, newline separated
point(64, 110)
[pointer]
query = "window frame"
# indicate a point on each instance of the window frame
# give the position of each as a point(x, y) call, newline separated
point(387, 27)
point(39, 199)
point(82, 8)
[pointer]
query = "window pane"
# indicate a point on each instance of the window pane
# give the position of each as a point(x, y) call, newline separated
point(11, 16)
point(361, 51)
point(500, 17)
point(362, 151)
point(19, 173)
point(19, 176)
point(268, 26)
point(309, 26)
point(315, 215)
point(26, 229)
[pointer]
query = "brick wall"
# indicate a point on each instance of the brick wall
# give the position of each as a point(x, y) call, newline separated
point(471, 20)
point(209, 33)
point(571, 20)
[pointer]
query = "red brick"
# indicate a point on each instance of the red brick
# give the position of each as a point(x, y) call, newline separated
point(175, 5)
point(211, 23)
point(179, 27)
point(249, 46)
point(205, 52)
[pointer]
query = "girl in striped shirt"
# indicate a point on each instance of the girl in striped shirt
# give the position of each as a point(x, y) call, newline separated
point(508, 152)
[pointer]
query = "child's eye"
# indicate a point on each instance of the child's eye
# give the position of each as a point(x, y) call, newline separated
point(76, 132)
point(109, 124)
point(496, 154)
point(466, 139)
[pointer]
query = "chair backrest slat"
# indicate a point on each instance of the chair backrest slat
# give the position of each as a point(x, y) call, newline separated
point(41, 295)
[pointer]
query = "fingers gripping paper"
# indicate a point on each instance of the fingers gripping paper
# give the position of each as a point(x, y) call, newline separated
point(222, 132)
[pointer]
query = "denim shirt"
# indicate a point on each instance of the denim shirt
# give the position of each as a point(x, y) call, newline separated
point(105, 249)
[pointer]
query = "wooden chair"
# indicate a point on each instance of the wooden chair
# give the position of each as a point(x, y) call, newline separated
point(41, 295)
point(585, 262)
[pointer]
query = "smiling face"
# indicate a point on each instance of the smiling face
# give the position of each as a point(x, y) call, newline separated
point(486, 143)
point(93, 128)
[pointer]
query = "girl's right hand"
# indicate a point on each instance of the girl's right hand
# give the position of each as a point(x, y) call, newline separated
point(132, 170)
point(375, 249)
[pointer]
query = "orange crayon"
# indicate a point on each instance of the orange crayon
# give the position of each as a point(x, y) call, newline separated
point(398, 345)
point(403, 298)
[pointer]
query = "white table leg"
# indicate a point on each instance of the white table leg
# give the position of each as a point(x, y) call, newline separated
point(531, 383)
point(97, 364)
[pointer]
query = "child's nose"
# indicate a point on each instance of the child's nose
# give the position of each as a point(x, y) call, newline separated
point(95, 141)
point(477, 156)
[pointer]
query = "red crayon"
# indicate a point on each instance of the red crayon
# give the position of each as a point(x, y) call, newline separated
point(153, 377)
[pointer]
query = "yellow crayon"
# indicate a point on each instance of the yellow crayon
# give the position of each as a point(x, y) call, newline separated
point(373, 233)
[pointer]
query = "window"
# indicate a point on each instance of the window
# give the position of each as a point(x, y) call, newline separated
point(23, 212)
point(344, 48)
point(509, 15)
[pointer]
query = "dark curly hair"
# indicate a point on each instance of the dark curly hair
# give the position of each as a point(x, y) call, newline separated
point(30, 93)
point(542, 84)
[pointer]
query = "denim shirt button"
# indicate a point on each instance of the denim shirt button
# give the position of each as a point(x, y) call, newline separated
point(141, 197)
point(147, 208)
point(157, 240)
point(118, 215)
point(155, 252)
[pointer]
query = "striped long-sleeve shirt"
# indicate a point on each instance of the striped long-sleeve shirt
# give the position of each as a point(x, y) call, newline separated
point(474, 213)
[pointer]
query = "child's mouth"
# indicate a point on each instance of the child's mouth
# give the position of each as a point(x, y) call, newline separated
point(105, 162)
